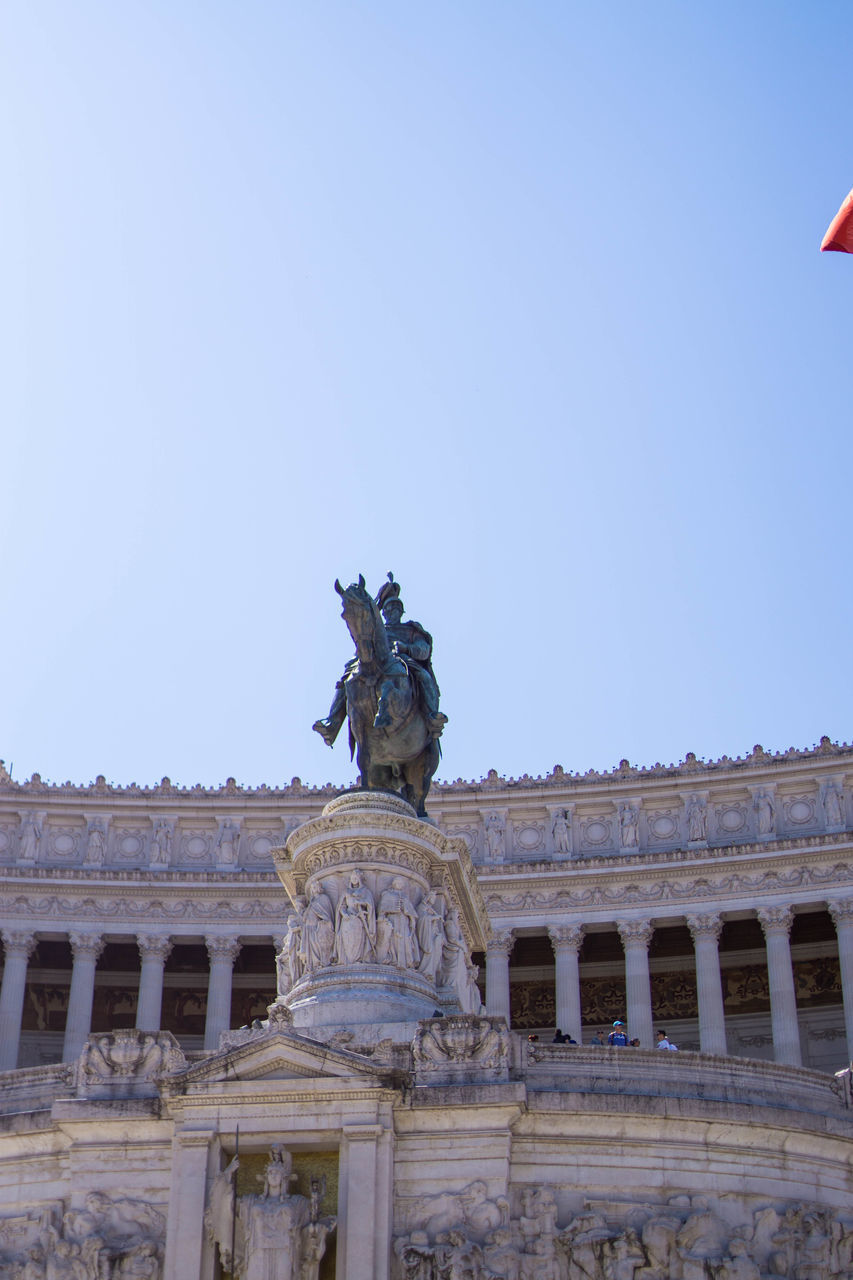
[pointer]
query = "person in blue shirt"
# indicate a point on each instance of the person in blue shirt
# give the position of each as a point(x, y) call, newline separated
point(617, 1038)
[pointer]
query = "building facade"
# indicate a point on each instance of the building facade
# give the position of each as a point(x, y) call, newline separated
point(140, 929)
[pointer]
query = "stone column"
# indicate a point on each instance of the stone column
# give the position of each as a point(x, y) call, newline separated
point(498, 948)
point(705, 931)
point(223, 952)
point(85, 947)
point(776, 923)
point(841, 910)
point(364, 1227)
point(636, 936)
point(566, 941)
point(154, 951)
point(185, 1220)
point(18, 948)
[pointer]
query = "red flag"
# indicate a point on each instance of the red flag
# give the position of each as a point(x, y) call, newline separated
point(839, 237)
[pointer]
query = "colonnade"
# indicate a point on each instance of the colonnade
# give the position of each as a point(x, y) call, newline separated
point(154, 950)
point(705, 930)
point(566, 940)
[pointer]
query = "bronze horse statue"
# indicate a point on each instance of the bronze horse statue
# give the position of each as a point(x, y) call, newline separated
point(381, 691)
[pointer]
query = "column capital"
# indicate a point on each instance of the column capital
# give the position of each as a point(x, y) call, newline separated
point(500, 942)
point(635, 933)
point(154, 946)
point(705, 926)
point(222, 948)
point(775, 920)
point(565, 935)
point(841, 910)
point(19, 942)
point(86, 946)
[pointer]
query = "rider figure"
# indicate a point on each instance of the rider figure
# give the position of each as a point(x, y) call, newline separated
point(409, 641)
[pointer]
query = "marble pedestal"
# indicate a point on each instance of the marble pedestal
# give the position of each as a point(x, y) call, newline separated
point(386, 913)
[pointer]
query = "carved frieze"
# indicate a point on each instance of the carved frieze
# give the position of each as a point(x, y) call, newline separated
point(113, 1236)
point(468, 1233)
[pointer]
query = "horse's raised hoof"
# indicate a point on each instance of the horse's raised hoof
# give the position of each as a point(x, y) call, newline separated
point(382, 720)
point(436, 724)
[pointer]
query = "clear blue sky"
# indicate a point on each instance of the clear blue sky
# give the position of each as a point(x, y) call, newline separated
point(521, 301)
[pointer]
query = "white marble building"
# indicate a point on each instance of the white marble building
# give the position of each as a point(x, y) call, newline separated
point(714, 899)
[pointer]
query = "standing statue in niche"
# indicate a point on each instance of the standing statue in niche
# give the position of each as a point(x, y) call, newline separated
point(390, 695)
point(832, 807)
point(279, 1235)
point(228, 843)
point(288, 962)
point(629, 825)
point(95, 848)
point(560, 832)
point(30, 836)
point(161, 844)
point(495, 837)
point(355, 923)
point(766, 813)
point(697, 819)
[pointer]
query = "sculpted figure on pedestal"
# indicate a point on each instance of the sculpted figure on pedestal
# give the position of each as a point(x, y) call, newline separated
point(318, 929)
point(397, 922)
point(389, 693)
point(289, 961)
point(355, 923)
point(430, 934)
point(455, 972)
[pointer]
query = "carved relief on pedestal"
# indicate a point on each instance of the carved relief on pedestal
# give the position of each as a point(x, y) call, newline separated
point(364, 917)
point(461, 1045)
point(277, 1232)
point(127, 1059)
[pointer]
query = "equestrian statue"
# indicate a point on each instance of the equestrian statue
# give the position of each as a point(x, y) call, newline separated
point(389, 694)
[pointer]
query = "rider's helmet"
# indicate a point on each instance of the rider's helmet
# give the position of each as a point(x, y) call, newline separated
point(389, 591)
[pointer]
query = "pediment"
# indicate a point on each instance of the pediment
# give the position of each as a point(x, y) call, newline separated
point(281, 1055)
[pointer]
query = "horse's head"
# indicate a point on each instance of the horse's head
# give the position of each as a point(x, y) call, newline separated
point(360, 614)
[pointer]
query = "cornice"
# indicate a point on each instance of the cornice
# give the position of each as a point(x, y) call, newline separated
point(491, 783)
point(731, 882)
